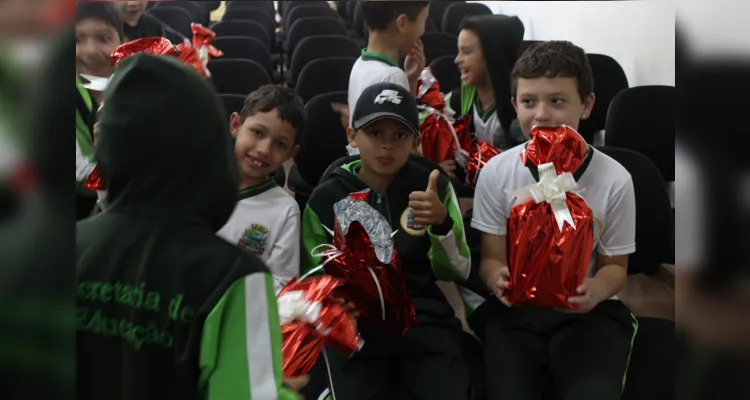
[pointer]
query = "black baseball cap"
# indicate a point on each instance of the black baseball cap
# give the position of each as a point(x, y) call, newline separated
point(386, 100)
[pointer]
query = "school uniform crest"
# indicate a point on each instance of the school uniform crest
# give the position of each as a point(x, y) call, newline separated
point(254, 239)
point(597, 228)
point(409, 225)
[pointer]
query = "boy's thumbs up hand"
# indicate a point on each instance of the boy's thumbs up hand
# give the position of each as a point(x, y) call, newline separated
point(426, 206)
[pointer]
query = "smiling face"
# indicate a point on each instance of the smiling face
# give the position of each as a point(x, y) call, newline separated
point(95, 41)
point(550, 101)
point(470, 60)
point(131, 11)
point(384, 146)
point(264, 143)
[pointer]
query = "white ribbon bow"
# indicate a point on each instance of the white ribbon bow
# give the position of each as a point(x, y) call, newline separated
point(551, 188)
point(294, 306)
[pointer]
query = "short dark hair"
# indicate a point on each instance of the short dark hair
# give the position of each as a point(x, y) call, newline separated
point(551, 59)
point(101, 10)
point(380, 14)
point(289, 105)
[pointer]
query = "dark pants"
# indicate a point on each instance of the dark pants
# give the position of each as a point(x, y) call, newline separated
point(427, 363)
point(528, 348)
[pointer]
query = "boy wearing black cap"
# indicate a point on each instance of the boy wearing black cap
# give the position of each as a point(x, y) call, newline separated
point(422, 208)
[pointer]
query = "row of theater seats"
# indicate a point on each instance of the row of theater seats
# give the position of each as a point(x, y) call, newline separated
point(312, 48)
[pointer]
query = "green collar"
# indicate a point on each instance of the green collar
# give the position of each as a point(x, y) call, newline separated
point(484, 114)
point(256, 190)
point(373, 56)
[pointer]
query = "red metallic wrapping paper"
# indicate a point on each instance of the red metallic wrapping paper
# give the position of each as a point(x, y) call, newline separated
point(438, 142)
point(478, 157)
point(377, 289)
point(311, 319)
point(546, 263)
point(196, 54)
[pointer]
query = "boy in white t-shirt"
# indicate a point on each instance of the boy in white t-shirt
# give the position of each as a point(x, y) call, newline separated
point(584, 353)
point(395, 28)
point(266, 220)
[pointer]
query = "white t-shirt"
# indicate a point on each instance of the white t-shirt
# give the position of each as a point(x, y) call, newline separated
point(367, 72)
point(267, 223)
point(606, 187)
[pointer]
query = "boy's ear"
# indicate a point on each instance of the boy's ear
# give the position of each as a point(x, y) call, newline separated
point(400, 22)
point(588, 105)
point(417, 142)
point(234, 124)
point(351, 136)
point(293, 152)
point(515, 105)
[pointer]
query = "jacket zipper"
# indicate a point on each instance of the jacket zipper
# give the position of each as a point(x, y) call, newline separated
point(379, 205)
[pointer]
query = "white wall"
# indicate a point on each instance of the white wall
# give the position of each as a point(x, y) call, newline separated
point(638, 34)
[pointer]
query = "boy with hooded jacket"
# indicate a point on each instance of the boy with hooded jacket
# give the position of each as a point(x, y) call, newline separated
point(488, 47)
point(165, 308)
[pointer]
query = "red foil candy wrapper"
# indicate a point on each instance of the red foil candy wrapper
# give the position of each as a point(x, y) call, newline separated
point(197, 53)
point(95, 181)
point(478, 157)
point(312, 318)
point(438, 142)
point(546, 262)
point(363, 256)
point(428, 91)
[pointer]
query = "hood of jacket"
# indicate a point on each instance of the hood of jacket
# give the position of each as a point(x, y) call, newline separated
point(165, 149)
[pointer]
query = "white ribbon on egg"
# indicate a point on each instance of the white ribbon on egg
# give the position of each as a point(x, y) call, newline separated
point(551, 188)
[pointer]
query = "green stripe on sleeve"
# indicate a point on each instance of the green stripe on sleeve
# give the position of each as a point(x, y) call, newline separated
point(241, 345)
point(450, 255)
point(313, 235)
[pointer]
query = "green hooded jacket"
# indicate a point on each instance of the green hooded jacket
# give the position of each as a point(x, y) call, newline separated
point(425, 254)
point(165, 308)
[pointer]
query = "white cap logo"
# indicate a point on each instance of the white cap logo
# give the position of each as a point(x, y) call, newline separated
point(388, 95)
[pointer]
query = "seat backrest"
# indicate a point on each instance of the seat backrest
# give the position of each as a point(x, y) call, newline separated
point(642, 119)
point(242, 28)
point(289, 6)
point(324, 46)
point(324, 75)
point(526, 44)
point(437, 11)
point(439, 44)
point(308, 11)
point(176, 18)
point(359, 24)
point(609, 79)
point(306, 27)
point(255, 15)
point(245, 48)
point(447, 74)
point(455, 13)
point(232, 102)
point(265, 6)
point(653, 226)
point(197, 12)
point(323, 139)
point(237, 76)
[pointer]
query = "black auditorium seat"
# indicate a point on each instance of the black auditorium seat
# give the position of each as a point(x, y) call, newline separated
point(237, 76)
point(642, 118)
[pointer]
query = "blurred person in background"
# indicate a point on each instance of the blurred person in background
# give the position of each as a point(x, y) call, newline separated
point(36, 350)
point(98, 33)
point(138, 24)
